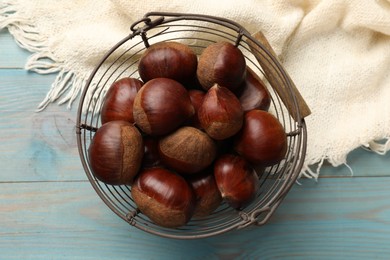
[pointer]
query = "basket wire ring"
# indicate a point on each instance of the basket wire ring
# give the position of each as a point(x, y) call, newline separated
point(277, 180)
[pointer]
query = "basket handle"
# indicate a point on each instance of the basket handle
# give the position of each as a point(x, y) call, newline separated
point(279, 83)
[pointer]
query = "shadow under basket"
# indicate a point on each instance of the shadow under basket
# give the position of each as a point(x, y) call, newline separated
point(198, 31)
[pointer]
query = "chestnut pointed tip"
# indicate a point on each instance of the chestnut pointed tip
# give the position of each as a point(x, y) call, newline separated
point(220, 113)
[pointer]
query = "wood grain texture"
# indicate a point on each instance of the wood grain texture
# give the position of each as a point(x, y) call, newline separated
point(35, 143)
point(11, 55)
point(48, 209)
point(333, 218)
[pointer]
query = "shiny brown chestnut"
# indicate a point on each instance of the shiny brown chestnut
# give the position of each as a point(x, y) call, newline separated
point(253, 94)
point(151, 156)
point(221, 63)
point(220, 114)
point(236, 180)
point(188, 150)
point(115, 152)
point(208, 197)
point(161, 106)
point(172, 60)
point(164, 197)
point(118, 102)
point(262, 139)
point(196, 97)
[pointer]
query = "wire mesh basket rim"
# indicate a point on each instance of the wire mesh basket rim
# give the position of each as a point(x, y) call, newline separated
point(246, 219)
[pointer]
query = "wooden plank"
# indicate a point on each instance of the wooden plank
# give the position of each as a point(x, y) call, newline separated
point(11, 55)
point(35, 146)
point(21, 90)
point(68, 220)
point(339, 218)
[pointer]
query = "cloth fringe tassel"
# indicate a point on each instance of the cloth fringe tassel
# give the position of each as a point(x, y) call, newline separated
point(42, 61)
point(312, 168)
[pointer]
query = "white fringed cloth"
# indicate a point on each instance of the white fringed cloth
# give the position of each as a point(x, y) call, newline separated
point(336, 51)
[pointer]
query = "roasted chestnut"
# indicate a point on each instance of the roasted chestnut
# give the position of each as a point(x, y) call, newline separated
point(115, 153)
point(164, 197)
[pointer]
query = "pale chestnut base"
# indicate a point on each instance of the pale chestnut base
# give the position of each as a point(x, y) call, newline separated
point(132, 146)
point(158, 213)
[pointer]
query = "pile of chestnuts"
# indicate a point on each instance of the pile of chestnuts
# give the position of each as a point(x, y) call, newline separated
point(188, 134)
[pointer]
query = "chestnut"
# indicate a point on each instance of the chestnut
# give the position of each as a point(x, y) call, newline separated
point(236, 180)
point(262, 139)
point(208, 197)
point(196, 97)
point(164, 197)
point(119, 99)
point(115, 153)
point(161, 106)
point(187, 150)
point(151, 157)
point(220, 114)
point(253, 94)
point(172, 60)
point(221, 63)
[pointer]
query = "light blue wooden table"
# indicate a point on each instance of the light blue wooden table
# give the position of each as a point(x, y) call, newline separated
point(48, 209)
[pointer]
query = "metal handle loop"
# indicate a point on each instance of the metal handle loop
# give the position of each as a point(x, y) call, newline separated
point(149, 23)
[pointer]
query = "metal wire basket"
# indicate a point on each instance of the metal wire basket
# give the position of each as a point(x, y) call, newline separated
point(198, 31)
